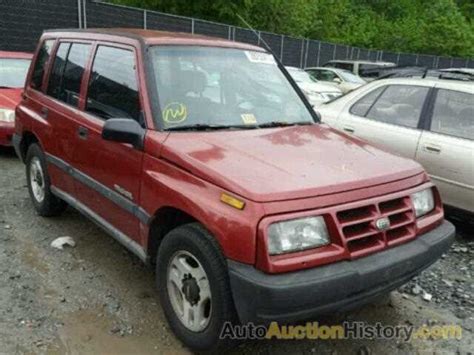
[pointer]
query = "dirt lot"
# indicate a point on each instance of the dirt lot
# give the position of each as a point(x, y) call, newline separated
point(98, 298)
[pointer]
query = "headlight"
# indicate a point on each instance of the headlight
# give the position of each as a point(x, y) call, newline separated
point(423, 201)
point(297, 234)
point(7, 115)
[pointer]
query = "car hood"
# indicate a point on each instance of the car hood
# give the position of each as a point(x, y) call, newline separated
point(318, 87)
point(9, 98)
point(279, 164)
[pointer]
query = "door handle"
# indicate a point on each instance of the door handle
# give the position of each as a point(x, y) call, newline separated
point(44, 112)
point(432, 149)
point(82, 132)
point(348, 129)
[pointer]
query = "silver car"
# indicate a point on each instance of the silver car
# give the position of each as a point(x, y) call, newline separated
point(343, 79)
point(431, 121)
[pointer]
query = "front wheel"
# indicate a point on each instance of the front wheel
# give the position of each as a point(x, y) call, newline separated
point(194, 288)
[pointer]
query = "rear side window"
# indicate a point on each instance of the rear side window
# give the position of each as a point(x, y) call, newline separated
point(361, 107)
point(453, 114)
point(346, 66)
point(40, 64)
point(68, 69)
point(113, 87)
point(400, 105)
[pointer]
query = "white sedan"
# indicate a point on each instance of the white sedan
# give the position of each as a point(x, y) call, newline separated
point(431, 121)
point(342, 79)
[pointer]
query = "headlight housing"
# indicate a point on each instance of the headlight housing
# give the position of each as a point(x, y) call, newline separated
point(297, 234)
point(7, 115)
point(423, 202)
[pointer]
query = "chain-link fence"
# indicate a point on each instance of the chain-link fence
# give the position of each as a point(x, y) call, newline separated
point(22, 22)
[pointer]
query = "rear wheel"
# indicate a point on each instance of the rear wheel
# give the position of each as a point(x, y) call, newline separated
point(194, 288)
point(39, 184)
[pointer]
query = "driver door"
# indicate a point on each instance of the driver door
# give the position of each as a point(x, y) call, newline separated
point(110, 172)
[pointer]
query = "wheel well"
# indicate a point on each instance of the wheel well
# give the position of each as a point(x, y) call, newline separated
point(165, 220)
point(28, 138)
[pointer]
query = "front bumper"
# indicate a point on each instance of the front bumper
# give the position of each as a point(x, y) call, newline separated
point(262, 298)
point(6, 133)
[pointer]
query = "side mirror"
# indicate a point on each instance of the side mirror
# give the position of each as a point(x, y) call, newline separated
point(337, 80)
point(124, 130)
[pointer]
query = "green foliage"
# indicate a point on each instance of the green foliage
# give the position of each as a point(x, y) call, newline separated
point(439, 27)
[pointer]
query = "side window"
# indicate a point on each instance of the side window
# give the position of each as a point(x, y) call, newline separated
point(113, 87)
point(399, 105)
point(346, 66)
point(66, 76)
point(453, 114)
point(41, 60)
point(361, 107)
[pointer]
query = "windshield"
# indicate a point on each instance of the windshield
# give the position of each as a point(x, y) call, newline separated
point(223, 87)
point(300, 76)
point(350, 77)
point(13, 72)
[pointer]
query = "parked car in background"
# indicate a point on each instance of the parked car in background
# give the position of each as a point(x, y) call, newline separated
point(250, 209)
point(367, 70)
point(317, 92)
point(13, 69)
point(343, 79)
point(460, 74)
point(431, 121)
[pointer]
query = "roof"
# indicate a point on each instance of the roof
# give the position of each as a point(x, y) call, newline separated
point(15, 55)
point(360, 61)
point(152, 37)
point(440, 83)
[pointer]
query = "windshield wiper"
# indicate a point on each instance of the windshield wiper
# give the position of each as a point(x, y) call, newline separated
point(206, 127)
point(283, 124)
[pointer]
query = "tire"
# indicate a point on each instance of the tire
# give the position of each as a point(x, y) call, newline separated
point(45, 203)
point(193, 241)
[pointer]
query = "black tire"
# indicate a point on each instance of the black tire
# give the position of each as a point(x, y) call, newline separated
point(194, 239)
point(50, 204)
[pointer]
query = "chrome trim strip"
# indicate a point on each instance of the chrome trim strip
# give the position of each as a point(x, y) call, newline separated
point(126, 241)
point(113, 196)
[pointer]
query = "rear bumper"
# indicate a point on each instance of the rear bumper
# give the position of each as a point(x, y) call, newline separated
point(6, 134)
point(261, 298)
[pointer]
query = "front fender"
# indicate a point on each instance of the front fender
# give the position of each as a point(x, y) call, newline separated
point(166, 185)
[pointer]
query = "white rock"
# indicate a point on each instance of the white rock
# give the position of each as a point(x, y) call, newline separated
point(60, 242)
point(427, 296)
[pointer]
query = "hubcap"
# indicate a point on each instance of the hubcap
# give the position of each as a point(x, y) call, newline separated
point(189, 291)
point(37, 180)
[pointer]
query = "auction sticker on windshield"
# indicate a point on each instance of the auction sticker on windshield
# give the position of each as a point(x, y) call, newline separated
point(249, 118)
point(260, 57)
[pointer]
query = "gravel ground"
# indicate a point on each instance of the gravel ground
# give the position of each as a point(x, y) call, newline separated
point(98, 298)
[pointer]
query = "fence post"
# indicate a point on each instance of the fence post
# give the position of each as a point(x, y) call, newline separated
point(358, 53)
point(302, 53)
point(334, 51)
point(79, 13)
point(398, 58)
point(84, 22)
point(192, 25)
point(144, 20)
point(319, 52)
point(229, 32)
point(281, 47)
point(306, 54)
point(259, 37)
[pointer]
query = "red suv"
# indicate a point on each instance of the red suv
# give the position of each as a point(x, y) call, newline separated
point(203, 157)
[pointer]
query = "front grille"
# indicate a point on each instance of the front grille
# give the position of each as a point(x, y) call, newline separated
point(360, 234)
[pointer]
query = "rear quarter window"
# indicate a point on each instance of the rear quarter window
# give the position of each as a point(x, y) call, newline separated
point(41, 61)
point(453, 114)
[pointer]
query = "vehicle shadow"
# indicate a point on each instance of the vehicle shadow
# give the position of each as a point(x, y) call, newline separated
point(7, 153)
